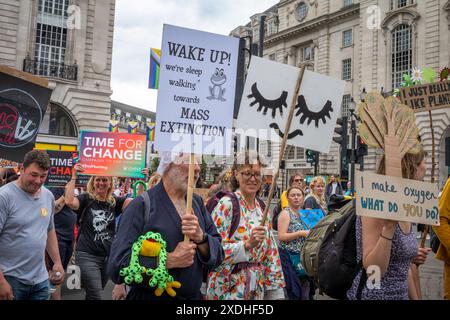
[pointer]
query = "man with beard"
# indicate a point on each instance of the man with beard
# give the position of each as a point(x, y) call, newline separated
point(167, 216)
point(26, 232)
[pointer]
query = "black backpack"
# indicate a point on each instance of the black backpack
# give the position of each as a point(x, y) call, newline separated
point(330, 249)
point(338, 264)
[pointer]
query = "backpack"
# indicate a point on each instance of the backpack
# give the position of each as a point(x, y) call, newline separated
point(329, 252)
point(236, 217)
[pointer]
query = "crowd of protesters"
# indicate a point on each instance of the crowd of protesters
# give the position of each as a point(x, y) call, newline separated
point(224, 242)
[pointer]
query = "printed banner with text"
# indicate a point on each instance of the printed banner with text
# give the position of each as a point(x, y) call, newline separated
point(60, 171)
point(196, 92)
point(392, 198)
point(113, 154)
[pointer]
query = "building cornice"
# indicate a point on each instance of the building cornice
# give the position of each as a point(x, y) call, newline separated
point(387, 22)
point(314, 23)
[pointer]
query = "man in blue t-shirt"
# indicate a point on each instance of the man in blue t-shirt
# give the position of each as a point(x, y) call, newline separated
point(27, 232)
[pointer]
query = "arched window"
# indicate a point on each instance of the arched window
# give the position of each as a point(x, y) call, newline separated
point(58, 122)
point(401, 53)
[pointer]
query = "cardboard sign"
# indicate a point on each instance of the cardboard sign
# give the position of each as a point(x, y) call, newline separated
point(425, 97)
point(23, 101)
point(196, 92)
point(392, 198)
point(113, 154)
point(268, 92)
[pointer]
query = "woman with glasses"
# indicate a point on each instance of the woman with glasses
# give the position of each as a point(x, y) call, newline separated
point(251, 269)
point(97, 210)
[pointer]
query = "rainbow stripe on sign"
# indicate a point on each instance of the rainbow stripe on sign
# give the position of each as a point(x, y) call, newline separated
point(155, 60)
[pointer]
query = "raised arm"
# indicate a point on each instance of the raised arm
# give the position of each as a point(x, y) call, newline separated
point(69, 196)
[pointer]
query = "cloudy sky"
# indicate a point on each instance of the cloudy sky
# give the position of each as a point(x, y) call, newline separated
point(138, 27)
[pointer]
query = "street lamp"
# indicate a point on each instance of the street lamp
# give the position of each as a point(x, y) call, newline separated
point(362, 95)
point(352, 108)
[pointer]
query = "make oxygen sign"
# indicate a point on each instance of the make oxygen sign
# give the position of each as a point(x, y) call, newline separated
point(392, 198)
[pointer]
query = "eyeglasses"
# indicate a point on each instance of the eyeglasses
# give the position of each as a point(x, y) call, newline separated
point(247, 175)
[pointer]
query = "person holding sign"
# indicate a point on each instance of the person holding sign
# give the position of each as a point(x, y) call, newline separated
point(97, 210)
point(388, 248)
point(292, 233)
point(251, 269)
point(166, 215)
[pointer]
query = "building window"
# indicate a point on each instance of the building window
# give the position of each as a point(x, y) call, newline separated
point(301, 11)
point(272, 27)
point(289, 153)
point(272, 56)
point(57, 122)
point(306, 54)
point(269, 148)
point(347, 69)
point(397, 4)
point(345, 105)
point(401, 53)
point(300, 153)
point(347, 38)
point(348, 3)
point(51, 36)
point(53, 7)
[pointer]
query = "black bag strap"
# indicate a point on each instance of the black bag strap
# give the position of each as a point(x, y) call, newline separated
point(146, 198)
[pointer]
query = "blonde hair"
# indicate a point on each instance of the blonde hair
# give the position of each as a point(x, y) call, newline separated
point(109, 195)
point(410, 163)
point(312, 186)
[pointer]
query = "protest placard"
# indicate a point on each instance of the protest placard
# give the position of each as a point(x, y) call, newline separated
point(23, 102)
point(426, 97)
point(268, 90)
point(60, 171)
point(393, 198)
point(112, 154)
point(196, 92)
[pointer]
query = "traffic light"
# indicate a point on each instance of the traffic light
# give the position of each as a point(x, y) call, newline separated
point(310, 156)
point(342, 139)
point(361, 148)
point(341, 130)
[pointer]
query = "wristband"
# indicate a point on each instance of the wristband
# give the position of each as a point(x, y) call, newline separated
point(205, 239)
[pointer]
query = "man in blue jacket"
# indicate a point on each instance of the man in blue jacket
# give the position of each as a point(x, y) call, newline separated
point(185, 261)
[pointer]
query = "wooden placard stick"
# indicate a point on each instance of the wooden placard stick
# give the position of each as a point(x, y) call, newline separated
point(190, 190)
point(425, 233)
point(283, 143)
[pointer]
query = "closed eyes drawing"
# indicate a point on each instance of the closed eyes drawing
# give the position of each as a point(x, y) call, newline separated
point(303, 112)
point(267, 104)
point(311, 115)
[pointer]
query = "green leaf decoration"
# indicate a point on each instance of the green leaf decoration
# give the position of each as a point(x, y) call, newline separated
point(428, 75)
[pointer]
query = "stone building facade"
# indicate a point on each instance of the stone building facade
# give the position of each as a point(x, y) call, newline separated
point(368, 43)
point(69, 42)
